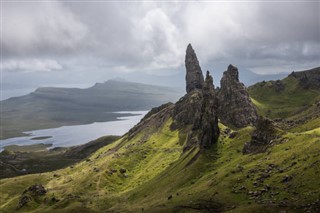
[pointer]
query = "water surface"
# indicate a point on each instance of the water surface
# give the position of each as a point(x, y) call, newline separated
point(78, 134)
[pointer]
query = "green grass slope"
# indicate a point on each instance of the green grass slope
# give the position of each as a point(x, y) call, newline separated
point(159, 177)
point(292, 100)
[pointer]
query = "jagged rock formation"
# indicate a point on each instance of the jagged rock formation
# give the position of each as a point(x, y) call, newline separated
point(277, 85)
point(308, 79)
point(263, 135)
point(194, 75)
point(235, 106)
point(187, 109)
point(198, 109)
point(31, 193)
point(208, 120)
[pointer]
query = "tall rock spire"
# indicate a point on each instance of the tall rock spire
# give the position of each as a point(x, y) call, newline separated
point(209, 133)
point(194, 76)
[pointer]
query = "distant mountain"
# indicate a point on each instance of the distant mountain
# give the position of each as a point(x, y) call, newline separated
point(119, 79)
point(250, 78)
point(52, 107)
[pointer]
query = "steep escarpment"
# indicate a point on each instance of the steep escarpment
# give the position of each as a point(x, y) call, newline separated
point(235, 106)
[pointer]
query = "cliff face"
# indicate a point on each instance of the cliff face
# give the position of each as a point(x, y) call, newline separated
point(235, 106)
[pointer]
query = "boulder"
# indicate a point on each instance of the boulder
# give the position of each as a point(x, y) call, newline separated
point(30, 193)
point(36, 190)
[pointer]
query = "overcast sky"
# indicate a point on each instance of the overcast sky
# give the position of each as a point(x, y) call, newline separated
point(79, 43)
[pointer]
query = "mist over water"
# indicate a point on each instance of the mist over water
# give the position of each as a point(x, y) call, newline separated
point(78, 134)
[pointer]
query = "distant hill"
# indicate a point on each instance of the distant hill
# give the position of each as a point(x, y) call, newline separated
point(52, 107)
point(293, 95)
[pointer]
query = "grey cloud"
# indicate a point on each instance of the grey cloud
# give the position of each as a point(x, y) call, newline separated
point(107, 38)
point(38, 29)
point(32, 65)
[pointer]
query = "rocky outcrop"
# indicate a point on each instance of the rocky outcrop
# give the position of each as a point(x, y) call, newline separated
point(31, 193)
point(262, 137)
point(235, 106)
point(278, 86)
point(308, 79)
point(207, 123)
point(187, 109)
point(198, 110)
point(194, 77)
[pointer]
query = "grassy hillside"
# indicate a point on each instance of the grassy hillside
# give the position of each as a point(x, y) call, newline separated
point(21, 160)
point(284, 103)
point(293, 102)
point(159, 177)
point(53, 107)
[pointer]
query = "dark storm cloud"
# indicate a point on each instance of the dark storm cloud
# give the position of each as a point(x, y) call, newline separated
point(151, 37)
